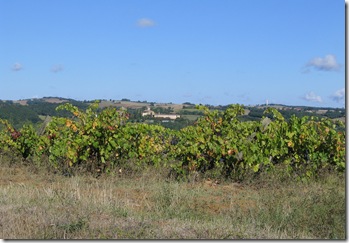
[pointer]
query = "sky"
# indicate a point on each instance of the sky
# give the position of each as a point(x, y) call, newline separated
point(214, 52)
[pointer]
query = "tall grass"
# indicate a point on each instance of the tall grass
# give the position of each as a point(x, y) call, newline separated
point(147, 205)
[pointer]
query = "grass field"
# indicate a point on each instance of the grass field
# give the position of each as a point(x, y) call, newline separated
point(148, 205)
point(190, 117)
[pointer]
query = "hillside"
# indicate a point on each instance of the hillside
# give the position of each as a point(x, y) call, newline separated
point(23, 111)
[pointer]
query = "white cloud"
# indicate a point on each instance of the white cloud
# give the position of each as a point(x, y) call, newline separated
point(145, 22)
point(311, 96)
point(339, 95)
point(17, 67)
point(327, 63)
point(57, 68)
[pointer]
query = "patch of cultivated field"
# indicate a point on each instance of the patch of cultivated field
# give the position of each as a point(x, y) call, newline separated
point(138, 105)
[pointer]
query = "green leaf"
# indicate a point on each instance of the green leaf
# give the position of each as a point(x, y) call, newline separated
point(256, 168)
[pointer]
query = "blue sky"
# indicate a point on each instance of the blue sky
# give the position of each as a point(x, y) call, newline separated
point(202, 51)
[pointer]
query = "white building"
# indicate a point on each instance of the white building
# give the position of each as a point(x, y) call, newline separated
point(151, 113)
point(148, 112)
point(170, 116)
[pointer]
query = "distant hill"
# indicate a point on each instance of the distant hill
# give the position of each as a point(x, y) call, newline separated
point(35, 110)
point(19, 112)
point(54, 100)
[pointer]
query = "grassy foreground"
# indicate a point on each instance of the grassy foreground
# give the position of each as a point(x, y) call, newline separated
point(148, 205)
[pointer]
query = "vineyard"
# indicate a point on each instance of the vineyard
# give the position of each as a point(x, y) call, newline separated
point(219, 143)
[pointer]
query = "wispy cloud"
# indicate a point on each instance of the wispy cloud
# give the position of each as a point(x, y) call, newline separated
point(57, 68)
point(339, 95)
point(205, 99)
point(244, 97)
point(311, 96)
point(17, 67)
point(327, 63)
point(187, 95)
point(145, 22)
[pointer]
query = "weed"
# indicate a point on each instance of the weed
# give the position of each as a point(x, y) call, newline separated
point(149, 205)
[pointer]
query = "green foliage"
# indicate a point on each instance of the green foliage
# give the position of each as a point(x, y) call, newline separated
point(219, 141)
point(24, 142)
point(87, 136)
point(147, 143)
point(17, 114)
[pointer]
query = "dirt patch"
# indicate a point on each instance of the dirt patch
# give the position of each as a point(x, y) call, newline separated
point(55, 100)
point(21, 102)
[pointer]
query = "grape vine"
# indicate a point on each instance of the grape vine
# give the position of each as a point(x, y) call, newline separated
point(218, 141)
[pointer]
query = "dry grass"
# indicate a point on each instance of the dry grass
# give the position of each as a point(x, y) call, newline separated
point(35, 205)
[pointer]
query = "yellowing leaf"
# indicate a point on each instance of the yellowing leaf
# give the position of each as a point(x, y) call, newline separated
point(68, 123)
point(74, 128)
point(256, 168)
point(290, 144)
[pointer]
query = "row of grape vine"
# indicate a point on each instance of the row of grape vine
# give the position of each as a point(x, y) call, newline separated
point(218, 141)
